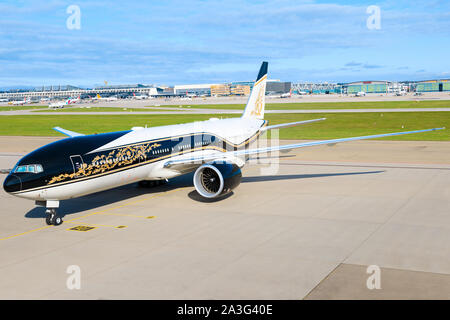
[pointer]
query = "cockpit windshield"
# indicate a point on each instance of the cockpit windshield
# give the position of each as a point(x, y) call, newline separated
point(31, 168)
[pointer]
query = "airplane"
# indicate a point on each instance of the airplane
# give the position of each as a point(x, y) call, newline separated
point(140, 97)
point(76, 100)
point(20, 102)
point(61, 104)
point(215, 150)
point(111, 98)
point(4, 99)
point(58, 104)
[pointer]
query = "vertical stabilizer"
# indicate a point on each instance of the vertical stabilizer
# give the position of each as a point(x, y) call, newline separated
point(256, 102)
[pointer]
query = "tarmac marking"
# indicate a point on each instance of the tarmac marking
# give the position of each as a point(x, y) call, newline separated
point(26, 232)
point(81, 228)
point(98, 212)
point(81, 224)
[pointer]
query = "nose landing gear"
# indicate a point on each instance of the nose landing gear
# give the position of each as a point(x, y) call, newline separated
point(52, 218)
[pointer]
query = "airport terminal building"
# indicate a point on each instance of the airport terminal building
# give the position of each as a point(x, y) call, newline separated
point(367, 87)
point(238, 88)
point(433, 85)
point(193, 89)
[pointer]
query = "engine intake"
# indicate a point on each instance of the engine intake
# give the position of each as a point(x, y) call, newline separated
point(213, 180)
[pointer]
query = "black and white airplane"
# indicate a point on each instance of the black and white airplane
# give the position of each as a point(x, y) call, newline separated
point(215, 149)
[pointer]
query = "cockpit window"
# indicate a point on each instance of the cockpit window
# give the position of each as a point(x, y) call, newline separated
point(21, 169)
point(31, 168)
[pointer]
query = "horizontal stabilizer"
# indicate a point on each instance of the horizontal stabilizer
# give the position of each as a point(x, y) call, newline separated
point(290, 124)
point(68, 132)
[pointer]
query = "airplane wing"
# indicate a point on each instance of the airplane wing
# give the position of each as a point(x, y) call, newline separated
point(68, 132)
point(189, 162)
point(290, 124)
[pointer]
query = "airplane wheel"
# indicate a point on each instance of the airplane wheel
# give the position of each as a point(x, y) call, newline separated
point(57, 221)
point(52, 218)
point(151, 183)
point(143, 184)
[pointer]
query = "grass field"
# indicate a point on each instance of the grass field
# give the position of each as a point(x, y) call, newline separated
point(337, 125)
point(12, 108)
point(329, 105)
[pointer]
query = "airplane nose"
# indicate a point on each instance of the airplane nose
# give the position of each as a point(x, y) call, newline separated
point(12, 183)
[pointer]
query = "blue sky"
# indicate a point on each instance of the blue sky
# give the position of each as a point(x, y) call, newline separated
point(200, 41)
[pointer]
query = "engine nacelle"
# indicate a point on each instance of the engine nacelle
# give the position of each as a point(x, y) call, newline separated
point(213, 180)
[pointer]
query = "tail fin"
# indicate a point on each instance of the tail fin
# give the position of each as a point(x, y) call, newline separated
point(256, 101)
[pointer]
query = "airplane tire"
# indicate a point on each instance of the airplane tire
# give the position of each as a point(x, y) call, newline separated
point(57, 221)
point(52, 218)
point(151, 183)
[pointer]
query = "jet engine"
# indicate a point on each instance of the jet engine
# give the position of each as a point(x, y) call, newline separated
point(213, 180)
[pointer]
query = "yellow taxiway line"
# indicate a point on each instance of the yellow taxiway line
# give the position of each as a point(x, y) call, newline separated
point(99, 212)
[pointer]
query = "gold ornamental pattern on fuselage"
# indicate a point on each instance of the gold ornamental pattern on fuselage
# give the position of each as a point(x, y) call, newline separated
point(102, 163)
point(259, 103)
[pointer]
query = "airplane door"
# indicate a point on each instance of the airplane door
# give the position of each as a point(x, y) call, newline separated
point(77, 163)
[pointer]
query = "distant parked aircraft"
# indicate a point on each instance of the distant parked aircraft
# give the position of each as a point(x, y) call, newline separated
point(61, 104)
point(140, 96)
point(111, 98)
point(20, 102)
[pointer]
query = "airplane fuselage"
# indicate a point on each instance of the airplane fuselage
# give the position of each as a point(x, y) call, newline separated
point(77, 166)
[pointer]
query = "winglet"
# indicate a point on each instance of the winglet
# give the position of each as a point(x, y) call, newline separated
point(68, 132)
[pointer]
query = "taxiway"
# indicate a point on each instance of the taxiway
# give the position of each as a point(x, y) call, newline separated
point(305, 231)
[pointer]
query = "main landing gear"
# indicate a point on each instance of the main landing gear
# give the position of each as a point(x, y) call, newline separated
point(151, 183)
point(52, 218)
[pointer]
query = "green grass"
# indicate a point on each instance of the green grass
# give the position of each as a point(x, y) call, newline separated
point(329, 105)
point(337, 125)
point(12, 108)
point(103, 109)
point(41, 125)
point(340, 125)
